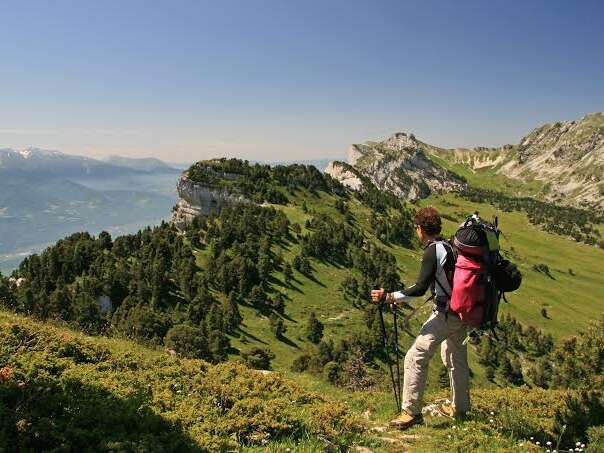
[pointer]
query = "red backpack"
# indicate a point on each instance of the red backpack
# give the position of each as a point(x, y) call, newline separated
point(481, 274)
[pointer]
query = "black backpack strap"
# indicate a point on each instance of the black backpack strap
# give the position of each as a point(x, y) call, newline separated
point(442, 289)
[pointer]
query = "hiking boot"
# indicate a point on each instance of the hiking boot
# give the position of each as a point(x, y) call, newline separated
point(404, 421)
point(449, 410)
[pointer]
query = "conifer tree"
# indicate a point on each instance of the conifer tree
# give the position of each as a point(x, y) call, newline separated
point(314, 328)
point(288, 273)
point(219, 345)
point(277, 325)
point(232, 316)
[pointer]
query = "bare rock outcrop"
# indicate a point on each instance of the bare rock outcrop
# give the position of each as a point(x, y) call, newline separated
point(338, 170)
point(398, 164)
point(197, 199)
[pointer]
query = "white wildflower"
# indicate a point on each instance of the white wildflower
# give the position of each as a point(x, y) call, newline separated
point(537, 443)
point(532, 438)
point(578, 444)
point(491, 420)
point(548, 443)
point(582, 445)
point(492, 413)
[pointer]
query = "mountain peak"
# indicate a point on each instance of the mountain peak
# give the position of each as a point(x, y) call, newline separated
point(399, 165)
point(31, 151)
point(401, 140)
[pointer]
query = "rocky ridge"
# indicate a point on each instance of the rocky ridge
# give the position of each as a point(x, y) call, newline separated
point(566, 158)
point(398, 164)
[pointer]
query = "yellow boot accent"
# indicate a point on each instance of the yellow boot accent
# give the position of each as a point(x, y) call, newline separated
point(405, 420)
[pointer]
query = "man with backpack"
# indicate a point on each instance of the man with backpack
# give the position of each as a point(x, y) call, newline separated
point(467, 284)
point(443, 327)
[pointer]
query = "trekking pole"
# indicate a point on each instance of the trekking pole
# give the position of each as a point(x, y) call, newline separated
point(394, 389)
point(396, 352)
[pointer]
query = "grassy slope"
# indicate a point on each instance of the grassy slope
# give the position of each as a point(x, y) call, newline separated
point(488, 178)
point(162, 399)
point(568, 312)
point(566, 297)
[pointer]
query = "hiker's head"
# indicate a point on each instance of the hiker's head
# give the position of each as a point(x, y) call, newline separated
point(427, 224)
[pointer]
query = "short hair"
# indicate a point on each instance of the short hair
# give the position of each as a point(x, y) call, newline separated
point(429, 219)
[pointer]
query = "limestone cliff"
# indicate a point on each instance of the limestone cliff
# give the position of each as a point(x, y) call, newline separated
point(196, 199)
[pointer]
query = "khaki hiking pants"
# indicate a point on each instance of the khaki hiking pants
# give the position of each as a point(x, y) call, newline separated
point(449, 332)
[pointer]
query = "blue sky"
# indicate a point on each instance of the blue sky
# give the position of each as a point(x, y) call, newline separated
point(186, 80)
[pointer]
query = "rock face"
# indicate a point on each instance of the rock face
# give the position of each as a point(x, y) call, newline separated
point(338, 171)
point(568, 156)
point(198, 199)
point(397, 164)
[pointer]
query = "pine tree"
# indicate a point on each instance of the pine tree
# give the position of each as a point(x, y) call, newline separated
point(215, 320)
point(297, 262)
point(288, 273)
point(257, 297)
point(219, 345)
point(187, 340)
point(314, 328)
point(59, 304)
point(277, 325)
point(305, 267)
point(516, 377)
point(505, 370)
point(26, 301)
point(232, 316)
point(278, 303)
point(199, 306)
point(7, 296)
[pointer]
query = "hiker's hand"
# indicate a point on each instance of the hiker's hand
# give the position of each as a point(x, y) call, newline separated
point(378, 295)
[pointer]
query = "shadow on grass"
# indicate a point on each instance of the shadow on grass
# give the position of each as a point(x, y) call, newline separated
point(253, 337)
point(68, 415)
point(289, 342)
point(311, 277)
point(289, 318)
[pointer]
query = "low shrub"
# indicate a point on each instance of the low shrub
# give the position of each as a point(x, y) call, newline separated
point(63, 391)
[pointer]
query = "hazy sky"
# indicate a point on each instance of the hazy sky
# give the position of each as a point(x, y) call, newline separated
point(185, 80)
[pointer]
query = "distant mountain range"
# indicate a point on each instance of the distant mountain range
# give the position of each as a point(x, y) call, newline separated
point(45, 195)
point(58, 164)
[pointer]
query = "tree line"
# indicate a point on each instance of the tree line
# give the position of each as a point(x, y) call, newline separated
point(260, 183)
point(577, 223)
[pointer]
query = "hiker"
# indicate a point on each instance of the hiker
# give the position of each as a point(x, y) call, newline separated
point(443, 327)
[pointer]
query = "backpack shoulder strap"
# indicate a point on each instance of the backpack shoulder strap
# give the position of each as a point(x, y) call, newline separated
point(440, 278)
